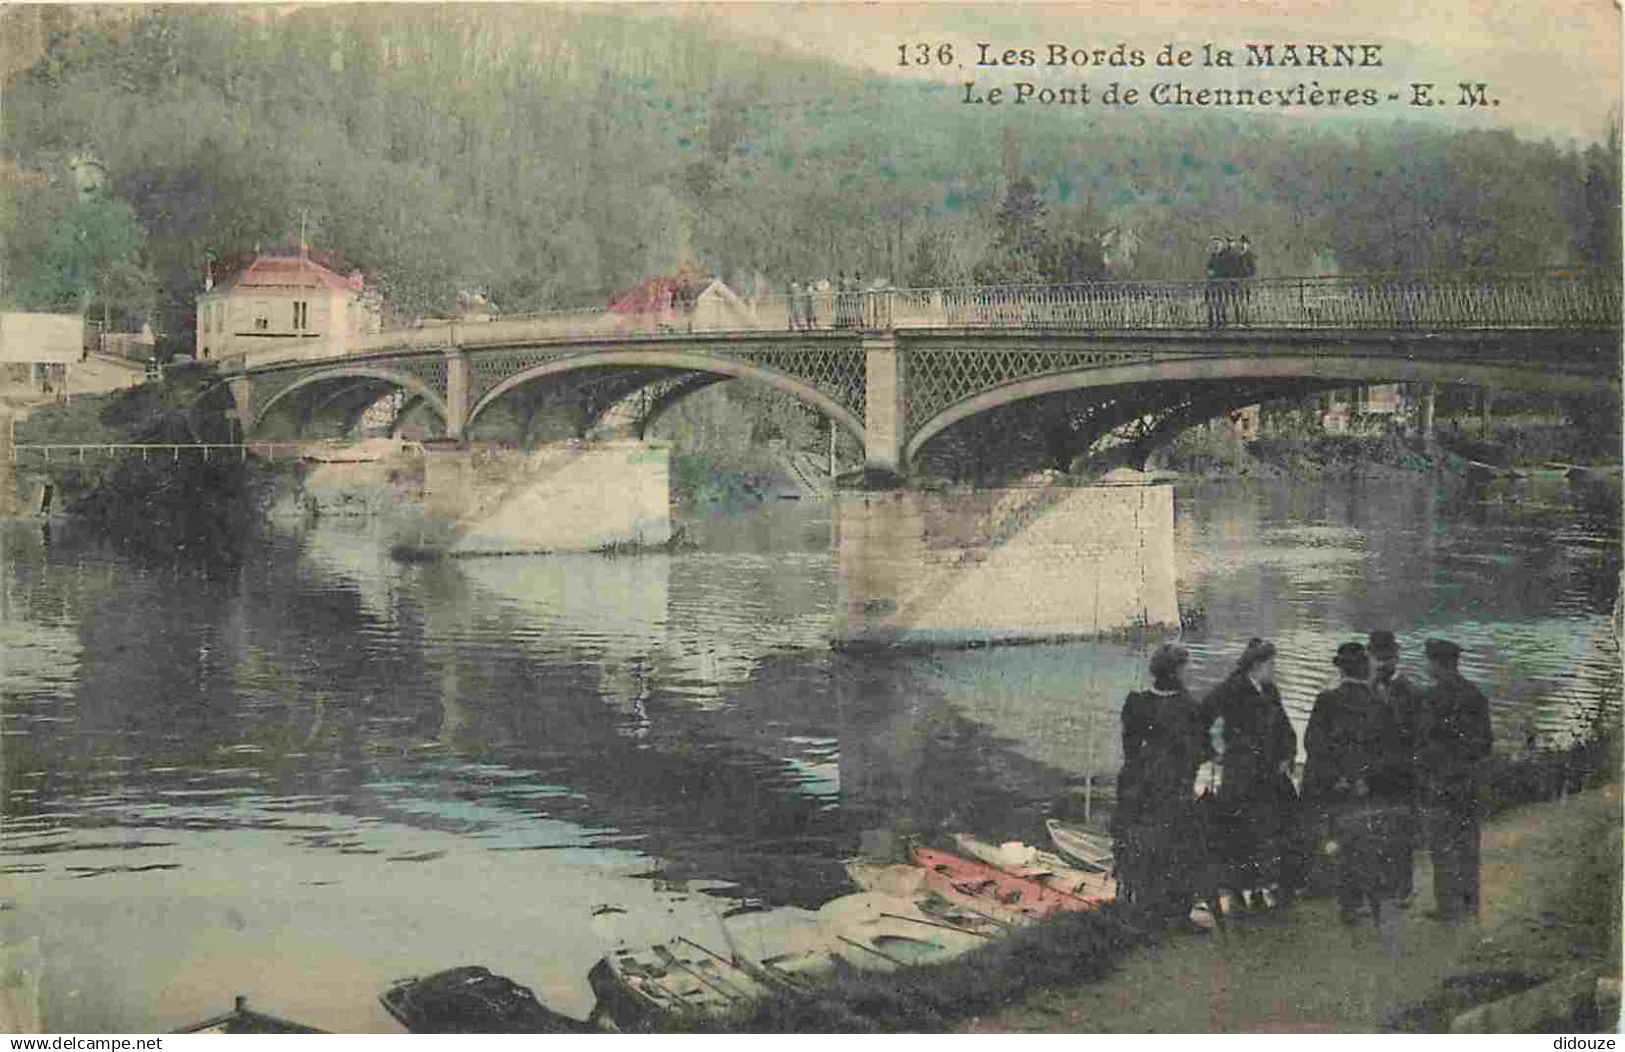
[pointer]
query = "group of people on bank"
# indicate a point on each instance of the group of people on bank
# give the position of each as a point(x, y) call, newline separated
point(1206, 803)
point(841, 299)
point(1230, 261)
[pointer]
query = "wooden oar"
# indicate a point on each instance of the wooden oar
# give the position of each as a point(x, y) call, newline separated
point(937, 924)
point(873, 950)
point(707, 950)
point(979, 913)
point(673, 959)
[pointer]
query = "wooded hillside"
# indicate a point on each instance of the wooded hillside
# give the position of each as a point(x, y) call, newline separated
point(548, 155)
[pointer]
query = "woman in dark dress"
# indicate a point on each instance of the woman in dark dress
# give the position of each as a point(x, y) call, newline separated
point(1252, 822)
point(1156, 829)
point(1354, 778)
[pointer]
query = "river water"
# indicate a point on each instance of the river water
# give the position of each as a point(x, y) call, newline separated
point(303, 777)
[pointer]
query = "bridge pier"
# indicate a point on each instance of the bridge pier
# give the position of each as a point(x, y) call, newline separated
point(885, 408)
point(1002, 565)
point(456, 393)
point(242, 396)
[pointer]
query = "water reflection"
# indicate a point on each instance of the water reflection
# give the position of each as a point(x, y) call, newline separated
point(390, 768)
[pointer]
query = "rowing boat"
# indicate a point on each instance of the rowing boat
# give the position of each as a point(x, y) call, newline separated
point(1090, 849)
point(1024, 860)
point(872, 931)
point(473, 1000)
point(244, 1020)
point(637, 987)
point(995, 893)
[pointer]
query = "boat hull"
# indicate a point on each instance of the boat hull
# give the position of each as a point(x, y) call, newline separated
point(994, 892)
point(473, 1000)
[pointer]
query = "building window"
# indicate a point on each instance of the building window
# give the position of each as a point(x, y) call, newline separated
point(301, 314)
point(261, 322)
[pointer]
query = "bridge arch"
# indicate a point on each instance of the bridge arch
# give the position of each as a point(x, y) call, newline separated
point(663, 359)
point(1345, 367)
point(415, 387)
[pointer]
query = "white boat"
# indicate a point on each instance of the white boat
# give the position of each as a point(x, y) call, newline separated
point(1090, 849)
point(1024, 860)
point(878, 932)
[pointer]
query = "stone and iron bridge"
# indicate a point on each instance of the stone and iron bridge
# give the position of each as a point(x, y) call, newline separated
point(895, 368)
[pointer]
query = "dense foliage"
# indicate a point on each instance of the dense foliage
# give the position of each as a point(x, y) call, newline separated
point(163, 504)
point(549, 155)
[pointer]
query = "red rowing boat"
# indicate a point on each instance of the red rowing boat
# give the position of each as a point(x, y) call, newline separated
point(993, 891)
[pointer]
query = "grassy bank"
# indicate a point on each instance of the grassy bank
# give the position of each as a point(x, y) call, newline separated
point(1550, 877)
point(1551, 891)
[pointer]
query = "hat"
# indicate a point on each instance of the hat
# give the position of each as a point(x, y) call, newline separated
point(1256, 652)
point(1442, 650)
point(1166, 658)
point(1382, 644)
point(1352, 658)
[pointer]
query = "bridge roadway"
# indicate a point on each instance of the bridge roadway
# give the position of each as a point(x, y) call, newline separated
point(897, 367)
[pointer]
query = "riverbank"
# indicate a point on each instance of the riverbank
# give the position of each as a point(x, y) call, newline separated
point(1305, 454)
point(1551, 907)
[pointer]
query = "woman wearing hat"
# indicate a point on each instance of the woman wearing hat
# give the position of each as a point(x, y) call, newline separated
point(1156, 828)
point(1252, 820)
point(1351, 778)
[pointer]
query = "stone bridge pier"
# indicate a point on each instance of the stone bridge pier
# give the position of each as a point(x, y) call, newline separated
point(968, 566)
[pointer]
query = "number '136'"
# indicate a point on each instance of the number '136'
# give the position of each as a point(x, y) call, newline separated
point(922, 54)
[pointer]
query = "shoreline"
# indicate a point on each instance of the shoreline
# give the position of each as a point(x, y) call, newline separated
point(1551, 907)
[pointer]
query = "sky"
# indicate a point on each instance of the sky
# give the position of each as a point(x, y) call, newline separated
point(1553, 67)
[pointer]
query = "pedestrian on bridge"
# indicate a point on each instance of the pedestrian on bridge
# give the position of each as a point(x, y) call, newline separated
point(1251, 821)
point(1245, 267)
point(1157, 827)
point(1218, 267)
point(1455, 741)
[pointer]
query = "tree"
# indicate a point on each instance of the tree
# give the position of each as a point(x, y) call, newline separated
point(1600, 232)
point(91, 256)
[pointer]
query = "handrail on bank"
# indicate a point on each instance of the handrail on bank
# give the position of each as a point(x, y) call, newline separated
point(175, 449)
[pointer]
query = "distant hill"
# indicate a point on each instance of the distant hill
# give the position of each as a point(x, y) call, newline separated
point(547, 155)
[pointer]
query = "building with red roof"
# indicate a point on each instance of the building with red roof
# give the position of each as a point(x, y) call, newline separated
point(275, 299)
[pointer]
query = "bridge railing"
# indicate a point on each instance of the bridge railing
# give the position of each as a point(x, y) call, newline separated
point(1398, 302)
point(1437, 301)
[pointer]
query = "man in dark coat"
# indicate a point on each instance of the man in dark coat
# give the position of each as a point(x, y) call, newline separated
point(1350, 741)
point(1251, 819)
point(1244, 266)
point(1156, 828)
point(1218, 270)
point(1456, 739)
point(1403, 701)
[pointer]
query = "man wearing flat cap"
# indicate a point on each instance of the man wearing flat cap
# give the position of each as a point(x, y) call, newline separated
point(1403, 701)
point(1455, 740)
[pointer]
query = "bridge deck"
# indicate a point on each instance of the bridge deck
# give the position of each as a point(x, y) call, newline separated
point(1283, 308)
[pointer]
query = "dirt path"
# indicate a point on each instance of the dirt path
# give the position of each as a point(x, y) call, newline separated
point(1551, 905)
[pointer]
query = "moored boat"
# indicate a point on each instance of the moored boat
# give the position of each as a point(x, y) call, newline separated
point(899, 879)
point(473, 1000)
point(992, 891)
point(243, 1020)
point(1089, 849)
point(1024, 860)
point(872, 931)
point(636, 987)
